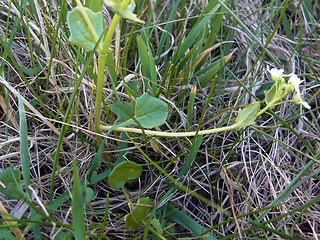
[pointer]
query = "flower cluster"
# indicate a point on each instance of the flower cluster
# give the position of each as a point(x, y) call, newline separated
point(293, 84)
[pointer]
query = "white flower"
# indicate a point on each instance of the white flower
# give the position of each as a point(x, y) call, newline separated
point(276, 75)
point(298, 100)
point(295, 82)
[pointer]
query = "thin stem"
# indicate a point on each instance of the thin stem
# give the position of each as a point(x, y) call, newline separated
point(101, 68)
point(108, 37)
point(100, 80)
point(171, 134)
point(127, 198)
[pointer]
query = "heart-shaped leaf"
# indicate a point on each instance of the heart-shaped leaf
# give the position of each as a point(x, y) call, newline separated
point(124, 111)
point(81, 34)
point(11, 184)
point(247, 116)
point(123, 173)
point(138, 214)
point(149, 112)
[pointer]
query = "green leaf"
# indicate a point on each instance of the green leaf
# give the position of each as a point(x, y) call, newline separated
point(124, 111)
point(24, 148)
point(125, 12)
point(147, 63)
point(77, 206)
point(271, 94)
point(11, 184)
point(123, 173)
point(247, 116)
point(156, 224)
point(187, 222)
point(211, 70)
point(81, 34)
point(96, 160)
point(138, 214)
point(89, 195)
point(149, 112)
point(6, 234)
point(94, 5)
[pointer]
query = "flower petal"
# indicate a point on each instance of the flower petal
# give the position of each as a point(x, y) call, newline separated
point(295, 81)
point(306, 105)
point(276, 75)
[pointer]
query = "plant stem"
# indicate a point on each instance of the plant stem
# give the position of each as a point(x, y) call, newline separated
point(101, 68)
point(171, 134)
point(100, 80)
point(108, 37)
point(88, 22)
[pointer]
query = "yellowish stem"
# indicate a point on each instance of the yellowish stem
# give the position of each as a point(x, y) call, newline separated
point(170, 134)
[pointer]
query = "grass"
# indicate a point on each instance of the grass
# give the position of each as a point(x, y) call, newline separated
point(207, 60)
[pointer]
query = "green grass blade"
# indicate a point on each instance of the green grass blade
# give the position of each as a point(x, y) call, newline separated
point(104, 223)
point(96, 160)
point(212, 69)
point(147, 63)
point(165, 40)
point(25, 160)
point(77, 206)
point(67, 120)
point(187, 222)
point(192, 155)
point(24, 150)
point(6, 234)
point(269, 229)
point(211, 8)
point(192, 97)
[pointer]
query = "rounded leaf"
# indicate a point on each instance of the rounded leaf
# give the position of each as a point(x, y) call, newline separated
point(123, 173)
point(150, 111)
point(81, 34)
point(89, 193)
point(138, 214)
point(11, 184)
point(247, 116)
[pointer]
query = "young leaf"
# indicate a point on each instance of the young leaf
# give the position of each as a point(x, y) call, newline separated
point(125, 12)
point(157, 225)
point(11, 184)
point(247, 116)
point(271, 94)
point(81, 34)
point(138, 214)
point(123, 173)
point(96, 160)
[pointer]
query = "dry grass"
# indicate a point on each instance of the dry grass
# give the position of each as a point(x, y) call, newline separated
point(260, 162)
